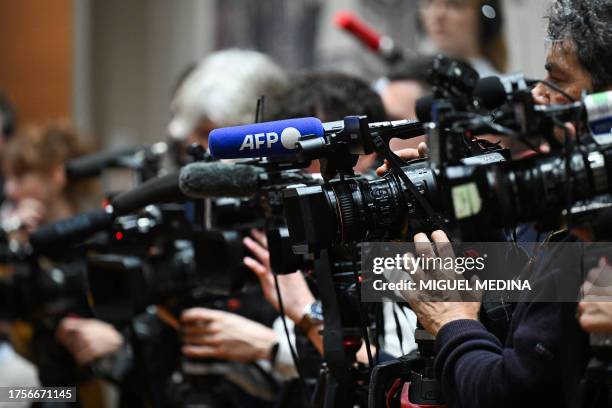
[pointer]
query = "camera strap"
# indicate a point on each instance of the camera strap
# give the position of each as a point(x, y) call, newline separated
point(333, 346)
point(396, 163)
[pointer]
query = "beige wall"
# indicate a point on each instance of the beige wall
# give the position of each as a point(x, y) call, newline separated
point(36, 55)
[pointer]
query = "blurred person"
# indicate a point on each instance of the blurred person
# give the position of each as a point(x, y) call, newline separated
point(580, 58)
point(470, 30)
point(38, 191)
point(544, 356)
point(400, 90)
point(404, 84)
point(16, 371)
point(330, 96)
point(222, 90)
point(36, 185)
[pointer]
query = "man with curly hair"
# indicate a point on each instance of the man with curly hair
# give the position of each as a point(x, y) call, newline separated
point(542, 360)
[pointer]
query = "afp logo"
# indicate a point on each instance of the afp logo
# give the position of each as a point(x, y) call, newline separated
point(288, 138)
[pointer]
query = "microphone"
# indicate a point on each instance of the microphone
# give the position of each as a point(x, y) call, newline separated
point(159, 190)
point(423, 108)
point(75, 229)
point(70, 231)
point(382, 45)
point(489, 91)
point(219, 179)
point(93, 164)
point(279, 138)
point(272, 139)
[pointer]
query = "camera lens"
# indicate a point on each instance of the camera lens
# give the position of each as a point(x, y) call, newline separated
point(357, 209)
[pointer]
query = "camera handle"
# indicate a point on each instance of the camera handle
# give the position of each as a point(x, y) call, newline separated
point(340, 381)
point(395, 162)
point(407, 382)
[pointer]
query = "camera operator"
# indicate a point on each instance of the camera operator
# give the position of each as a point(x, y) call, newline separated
point(545, 353)
point(38, 191)
point(400, 90)
point(327, 96)
point(222, 90)
point(403, 86)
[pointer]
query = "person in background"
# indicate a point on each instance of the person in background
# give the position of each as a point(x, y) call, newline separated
point(405, 83)
point(400, 90)
point(470, 30)
point(222, 90)
point(38, 191)
point(330, 96)
point(544, 357)
point(36, 186)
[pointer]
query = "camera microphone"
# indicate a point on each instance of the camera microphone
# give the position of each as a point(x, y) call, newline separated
point(92, 165)
point(219, 179)
point(267, 139)
point(75, 229)
point(71, 230)
point(158, 190)
point(279, 138)
point(489, 91)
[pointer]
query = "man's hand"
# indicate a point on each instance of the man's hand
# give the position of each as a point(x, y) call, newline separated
point(88, 339)
point(293, 287)
point(436, 313)
point(406, 154)
point(212, 333)
point(595, 310)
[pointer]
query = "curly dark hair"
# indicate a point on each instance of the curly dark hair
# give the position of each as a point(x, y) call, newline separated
point(328, 96)
point(587, 25)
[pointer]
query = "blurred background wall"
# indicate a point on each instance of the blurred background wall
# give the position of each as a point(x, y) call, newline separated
point(36, 57)
point(111, 65)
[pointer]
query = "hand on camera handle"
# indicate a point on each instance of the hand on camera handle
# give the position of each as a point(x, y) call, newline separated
point(433, 315)
point(293, 287)
point(88, 339)
point(406, 154)
point(209, 333)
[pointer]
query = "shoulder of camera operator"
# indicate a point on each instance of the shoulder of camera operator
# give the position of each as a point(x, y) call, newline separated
point(471, 30)
point(222, 90)
point(544, 352)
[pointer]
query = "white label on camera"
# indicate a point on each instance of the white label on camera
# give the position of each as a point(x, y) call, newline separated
point(466, 200)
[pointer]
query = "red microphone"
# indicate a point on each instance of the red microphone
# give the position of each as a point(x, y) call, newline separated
point(381, 44)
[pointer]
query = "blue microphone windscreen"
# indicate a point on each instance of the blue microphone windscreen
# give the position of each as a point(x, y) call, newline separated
point(267, 139)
